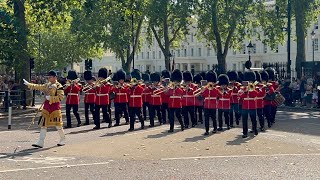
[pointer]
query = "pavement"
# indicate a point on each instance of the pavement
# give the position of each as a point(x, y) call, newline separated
point(288, 150)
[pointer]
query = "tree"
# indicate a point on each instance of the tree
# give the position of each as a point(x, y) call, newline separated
point(169, 21)
point(225, 24)
point(108, 24)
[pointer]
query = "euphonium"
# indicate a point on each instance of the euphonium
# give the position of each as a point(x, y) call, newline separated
point(251, 87)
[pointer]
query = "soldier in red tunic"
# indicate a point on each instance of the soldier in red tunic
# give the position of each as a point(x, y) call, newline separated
point(90, 95)
point(175, 93)
point(135, 100)
point(248, 94)
point(165, 74)
point(103, 89)
point(72, 90)
point(275, 87)
point(235, 87)
point(224, 101)
point(121, 99)
point(210, 95)
point(199, 101)
point(260, 88)
point(146, 95)
point(155, 100)
point(188, 100)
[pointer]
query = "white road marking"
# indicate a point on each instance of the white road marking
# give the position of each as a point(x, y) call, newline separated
point(270, 134)
point(236, 156)
point(44, 160)
point(5, 132)
point(49, 167)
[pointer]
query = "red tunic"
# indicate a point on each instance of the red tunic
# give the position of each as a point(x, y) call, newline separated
point(271, 91)
point(261, 93)
point(188, 98)
point(234, 93)
point(102, 94)
point(224, 99)
point(121, 94)
point(276, 88)
point(135, 95)
point(146, 95)
point(249, 99)
point(72, 92)
point(199, 102)
point(156, 99)
point(175, 98)
point(210, 98)
point(90, 95)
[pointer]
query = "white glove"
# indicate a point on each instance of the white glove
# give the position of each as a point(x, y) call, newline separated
point(48, 98)
point(25, 82)
point(241, 91)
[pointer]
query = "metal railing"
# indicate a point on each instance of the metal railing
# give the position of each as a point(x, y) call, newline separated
point(16, 98)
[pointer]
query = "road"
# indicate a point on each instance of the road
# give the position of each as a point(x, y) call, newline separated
point(289, 150)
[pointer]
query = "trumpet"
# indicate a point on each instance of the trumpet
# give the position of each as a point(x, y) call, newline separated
point(71, 82)
point(87, 87)
point(159, 91)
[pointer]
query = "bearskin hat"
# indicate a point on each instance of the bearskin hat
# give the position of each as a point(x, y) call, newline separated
point(264, 75)
point(258, 76)
point(136, 74)
point(232, 75)
point(155, 77)
point(145, 77)
point(87, 75)
point(72, 75)
point(249, 76)
point(271, 73)
point(203, 75)
point(187, 76)
point(165, 74)
point(176, 75)
point(240, 76)
point(223, 79)
point(103, 73)
point(120, 75)
point(197, 79)
point(211, 76)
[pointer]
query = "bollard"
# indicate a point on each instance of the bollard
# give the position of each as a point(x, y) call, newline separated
point(6, 101)
point(33, 98)
point(24, 101)
point(10, 115)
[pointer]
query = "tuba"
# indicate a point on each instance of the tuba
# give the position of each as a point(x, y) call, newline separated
point(251, 87)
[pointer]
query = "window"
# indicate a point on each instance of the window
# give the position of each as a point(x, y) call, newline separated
point(199, 51)
point(137, 57)
point(154, 69)
point(185, 67)
point(139, 67)
point(148, 67)
point(159, 54)
point(191, 37)
point(234, 67)
point(243, 49)
point(208, 51)
point(316, 44)
point(191, 51)
point(276, 49)
point(153, 54)
point(185, 52)
point(178, 52)
point(142, 55)
point(148, 55)
point(208, 67)
point(265, 48)
point(254, 49)
point(160, 68)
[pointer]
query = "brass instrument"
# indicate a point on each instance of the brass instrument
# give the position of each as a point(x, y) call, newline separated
point(251, 87)
point(71, 82)
point(87, 87)
point(99, 83)
point(159, 91)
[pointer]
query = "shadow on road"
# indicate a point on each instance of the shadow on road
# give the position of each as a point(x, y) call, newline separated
point(25, 152)
point(239, 140)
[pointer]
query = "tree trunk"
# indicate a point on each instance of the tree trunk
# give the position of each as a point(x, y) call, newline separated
point(300, 20)
point(221, 63)
point(23, 67)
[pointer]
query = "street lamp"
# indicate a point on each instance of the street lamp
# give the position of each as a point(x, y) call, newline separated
point(313, 34)
point(248, 63)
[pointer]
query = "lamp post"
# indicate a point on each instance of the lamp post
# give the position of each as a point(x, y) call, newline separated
point(313, 34)
point(132, 25)
point(248, 63)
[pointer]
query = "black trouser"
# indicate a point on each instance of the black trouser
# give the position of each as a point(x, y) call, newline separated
point(210, 113)
point(105, 113)
point(261, 117)
point(234, 111)
point(75, 112)
point(144, 110)
point(86, 111)
point(120, 108)
point(133, 111)
point(186, 111)
point(176, 111)
point(226, 113)
point(267, 113)
point(273, 113)
point(164, 110)
point(109, 110)
point(153, 110)
point(198, 109)
point(252, 113)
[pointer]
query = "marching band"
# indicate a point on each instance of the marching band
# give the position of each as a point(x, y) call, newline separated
point(176, 95)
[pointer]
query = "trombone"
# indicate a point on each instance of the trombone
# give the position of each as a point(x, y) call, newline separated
point(99, 83)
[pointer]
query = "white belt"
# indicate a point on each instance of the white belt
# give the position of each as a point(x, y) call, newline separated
point(234, 94)
point(188, 96)
point(260, 98)
point(146, 93)
point(210, 98)
point(155, 96)
point(121, 94)
point(89, 93)
point(249, 98)
point(222, 99)
point(135, 96)
point(175, 96)
point(102, 94)
point(73, 94)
